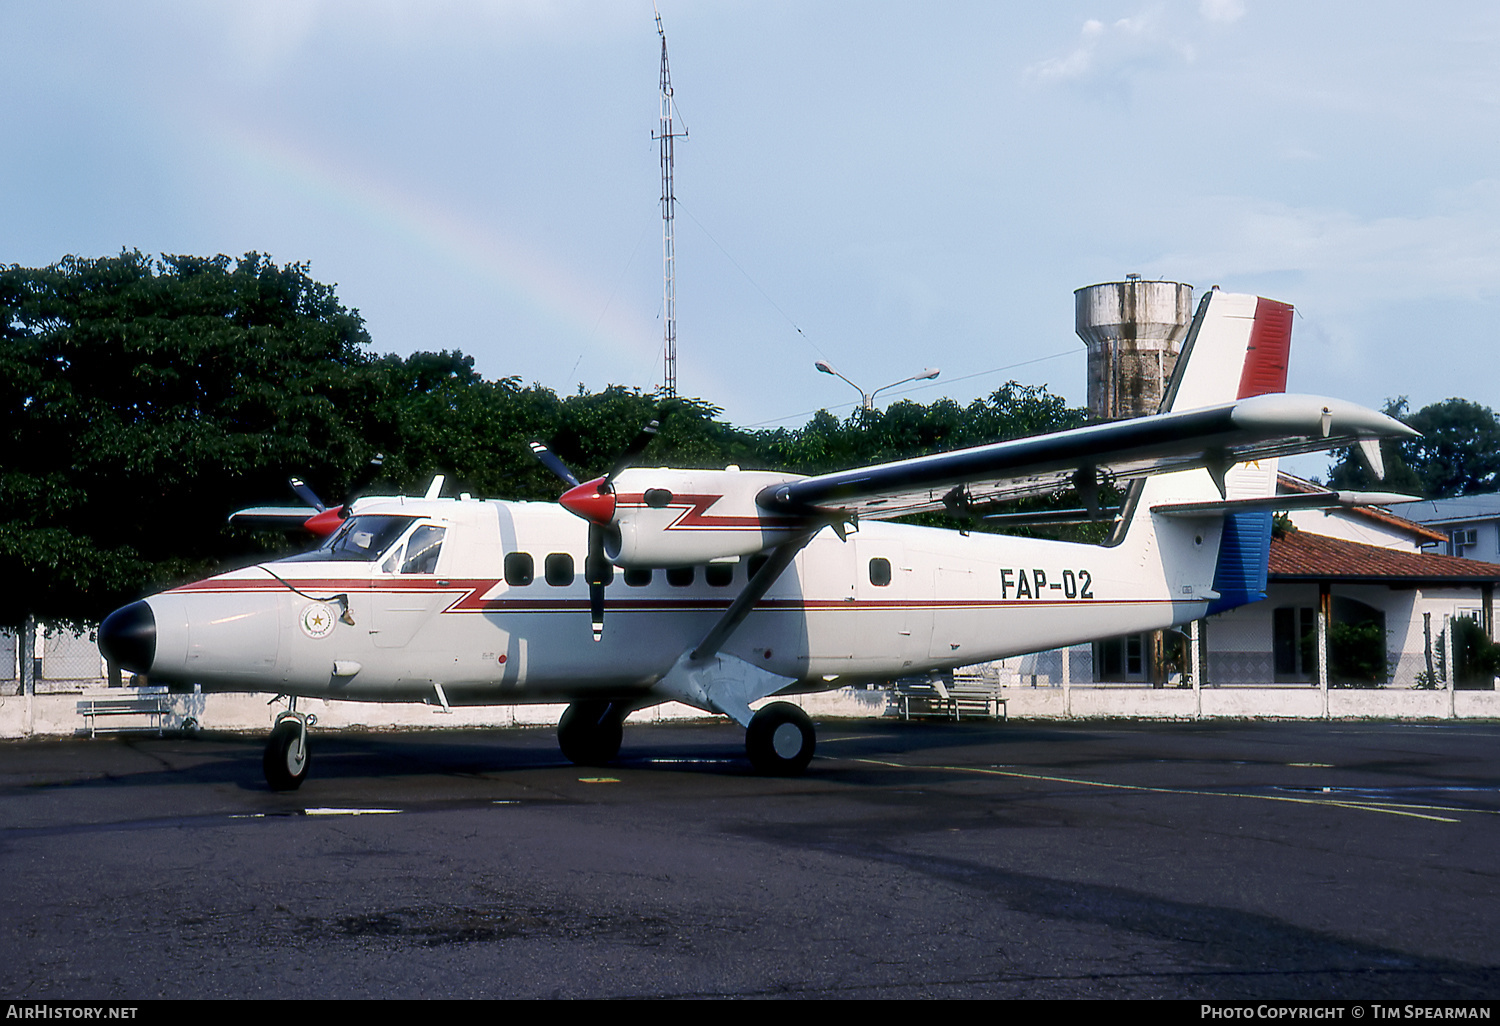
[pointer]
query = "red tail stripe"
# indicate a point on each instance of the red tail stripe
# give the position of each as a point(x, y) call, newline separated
point(1270, 344)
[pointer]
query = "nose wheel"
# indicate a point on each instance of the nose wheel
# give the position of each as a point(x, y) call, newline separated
point(287, 757)
point(780, 740)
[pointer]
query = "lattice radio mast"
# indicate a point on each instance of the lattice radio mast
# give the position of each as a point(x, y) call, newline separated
point(668, 207)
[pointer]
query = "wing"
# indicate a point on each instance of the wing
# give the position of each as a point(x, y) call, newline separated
point(290, 519)
point(1215, 438)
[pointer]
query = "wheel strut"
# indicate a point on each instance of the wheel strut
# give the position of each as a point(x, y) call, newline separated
point(287, 757)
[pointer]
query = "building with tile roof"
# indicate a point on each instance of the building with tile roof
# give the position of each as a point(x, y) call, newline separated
point(1389, 605)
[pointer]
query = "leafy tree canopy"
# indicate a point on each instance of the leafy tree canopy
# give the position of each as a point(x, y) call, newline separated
point(1458, 453)
point(139, 398)
point(145, 399)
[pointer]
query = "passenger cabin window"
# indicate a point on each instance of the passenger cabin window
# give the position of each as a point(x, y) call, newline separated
point(756, 562)
point(519, 569)
point(880, 572)
point(680, 576)
point(558, 569)
point(719, 575)
point(637, 577)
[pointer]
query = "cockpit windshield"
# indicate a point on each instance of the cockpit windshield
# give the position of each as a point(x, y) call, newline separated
point(361, 539)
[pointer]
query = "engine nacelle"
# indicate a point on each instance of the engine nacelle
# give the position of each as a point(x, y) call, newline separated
point(669, 518)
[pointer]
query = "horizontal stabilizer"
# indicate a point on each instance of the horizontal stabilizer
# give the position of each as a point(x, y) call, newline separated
point(1302, 500)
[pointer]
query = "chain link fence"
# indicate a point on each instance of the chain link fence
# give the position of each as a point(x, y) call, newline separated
point(50, 660)
point(1272, 647)
point(70, 661)
point(10, 666)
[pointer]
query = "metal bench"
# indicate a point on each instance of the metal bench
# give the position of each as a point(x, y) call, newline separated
point(950, 701)
point(152, 707)
point(983, 702)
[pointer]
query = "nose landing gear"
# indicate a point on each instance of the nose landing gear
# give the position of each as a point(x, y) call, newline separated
point(287, 758)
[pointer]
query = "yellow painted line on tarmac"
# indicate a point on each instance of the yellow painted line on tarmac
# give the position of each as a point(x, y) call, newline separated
point(1389, 808)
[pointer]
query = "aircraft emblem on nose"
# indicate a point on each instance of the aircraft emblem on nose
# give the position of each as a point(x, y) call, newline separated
point(317, 620)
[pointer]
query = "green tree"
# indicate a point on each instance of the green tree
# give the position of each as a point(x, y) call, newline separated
point(142, 400)
point(907, 429)
point(1458, 453)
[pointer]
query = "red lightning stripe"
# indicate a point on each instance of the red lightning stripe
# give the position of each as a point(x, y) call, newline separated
point(695, 517)
point(472, 596)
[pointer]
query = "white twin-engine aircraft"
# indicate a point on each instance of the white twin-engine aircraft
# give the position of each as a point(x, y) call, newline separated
point(725, 587)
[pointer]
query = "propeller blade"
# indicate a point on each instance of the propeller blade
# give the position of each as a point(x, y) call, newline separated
point(633, 450)
point(551, 462)
point(306, 494)
point(598, 572)
point(596, 610)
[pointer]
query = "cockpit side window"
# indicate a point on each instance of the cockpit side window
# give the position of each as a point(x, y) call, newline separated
point(422, 550)
point(361, 539)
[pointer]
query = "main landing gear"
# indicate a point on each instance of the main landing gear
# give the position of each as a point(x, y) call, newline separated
point(780, 739)
point(589, 733)
point(287, 757)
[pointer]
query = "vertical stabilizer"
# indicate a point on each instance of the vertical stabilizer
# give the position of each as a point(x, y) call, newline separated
point(1237, 347)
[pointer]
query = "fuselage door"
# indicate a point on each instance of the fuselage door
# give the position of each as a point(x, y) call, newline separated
point(405, 589)
point(894, 623)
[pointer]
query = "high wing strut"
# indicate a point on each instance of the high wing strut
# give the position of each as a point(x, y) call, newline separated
point(727, 684)
point(755, 590)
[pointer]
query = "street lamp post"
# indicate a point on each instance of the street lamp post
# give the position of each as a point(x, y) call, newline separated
point(868, 398)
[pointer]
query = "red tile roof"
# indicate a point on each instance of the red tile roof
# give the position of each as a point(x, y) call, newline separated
point(1303, 555)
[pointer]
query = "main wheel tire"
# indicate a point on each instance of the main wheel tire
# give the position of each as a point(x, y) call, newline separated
point(287, 758)
point(780, 740)
point(590, 733)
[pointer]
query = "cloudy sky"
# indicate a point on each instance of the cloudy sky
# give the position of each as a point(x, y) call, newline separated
point(887, 186)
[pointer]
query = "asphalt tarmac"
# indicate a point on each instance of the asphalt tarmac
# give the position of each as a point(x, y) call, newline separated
point(1260, 860)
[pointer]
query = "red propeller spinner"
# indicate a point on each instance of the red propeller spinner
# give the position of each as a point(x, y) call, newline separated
point(594, 501)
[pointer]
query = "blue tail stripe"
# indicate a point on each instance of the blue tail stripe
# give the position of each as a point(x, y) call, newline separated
point(1244, 552)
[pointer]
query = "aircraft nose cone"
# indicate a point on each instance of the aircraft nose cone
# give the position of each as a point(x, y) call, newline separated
point(127, 637)
point(590, 501)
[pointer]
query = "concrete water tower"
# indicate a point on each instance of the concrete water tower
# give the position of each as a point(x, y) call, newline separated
point(1133, 329)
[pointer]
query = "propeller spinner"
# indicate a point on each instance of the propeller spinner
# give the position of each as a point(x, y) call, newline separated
point(329, 519)
point(594, 502)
